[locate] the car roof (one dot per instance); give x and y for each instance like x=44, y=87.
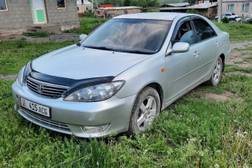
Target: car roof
x=155, y=15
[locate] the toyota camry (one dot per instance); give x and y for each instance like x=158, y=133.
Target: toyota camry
x=121, y=76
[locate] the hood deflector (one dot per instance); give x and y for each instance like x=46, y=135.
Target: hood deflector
x=67, y=81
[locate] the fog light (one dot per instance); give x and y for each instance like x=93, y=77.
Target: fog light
x=95, y=129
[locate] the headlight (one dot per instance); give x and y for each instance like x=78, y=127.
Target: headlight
x=96, y=93
x=20, y=76
x=23, y=73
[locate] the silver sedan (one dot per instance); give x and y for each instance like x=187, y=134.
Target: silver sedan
x=122, y=75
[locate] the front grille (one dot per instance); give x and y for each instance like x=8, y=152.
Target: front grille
x=45, y=89
x=43, y=121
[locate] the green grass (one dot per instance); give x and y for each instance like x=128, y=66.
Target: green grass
x=193, y=132
x=236, y=68
x=87, y=24
x=15, y=54
x=237, y=31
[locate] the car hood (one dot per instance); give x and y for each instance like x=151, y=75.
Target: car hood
x=77, y=62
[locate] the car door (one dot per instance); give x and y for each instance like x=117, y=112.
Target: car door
x=182, y=68
x=207, y=45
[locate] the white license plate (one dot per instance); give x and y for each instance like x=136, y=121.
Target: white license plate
x=35, y=107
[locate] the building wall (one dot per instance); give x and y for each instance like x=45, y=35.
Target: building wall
x=237, y=7
x=212, y=12
x=108, y=13
x=66, y=17
x=19, y=15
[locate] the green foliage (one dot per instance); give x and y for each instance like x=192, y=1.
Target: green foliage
x=225, y=20
x=87, y=24
x=15, y=54
x=127, y=3
x=21, y=43
x=249, y=21
x=237, y=31
x=142, y=3
x=145, y=3
x=191, y=1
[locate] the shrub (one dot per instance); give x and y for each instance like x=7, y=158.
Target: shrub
x=225, y=20
x=21, y=43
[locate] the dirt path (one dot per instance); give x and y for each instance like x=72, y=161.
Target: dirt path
x=8, y=77
x=237, y=54
x=241, y=45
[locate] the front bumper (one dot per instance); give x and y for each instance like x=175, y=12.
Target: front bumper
x=110, y=117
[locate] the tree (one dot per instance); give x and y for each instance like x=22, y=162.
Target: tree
x=145, y=3
x=127, y=2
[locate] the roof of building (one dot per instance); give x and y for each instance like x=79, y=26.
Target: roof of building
x=204, y=5
x=121, y=8
x=154, y=15
x=165, y=2
x=178, y=4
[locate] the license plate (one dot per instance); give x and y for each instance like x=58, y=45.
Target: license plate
x=35, y=107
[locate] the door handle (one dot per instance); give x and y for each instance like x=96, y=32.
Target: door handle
x=196, y=54
x=217, y=43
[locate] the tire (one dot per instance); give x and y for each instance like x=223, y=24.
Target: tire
x=216, y=75
x=146, y=108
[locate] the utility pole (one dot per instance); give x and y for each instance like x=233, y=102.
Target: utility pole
x=219, y=10
x=92, y=6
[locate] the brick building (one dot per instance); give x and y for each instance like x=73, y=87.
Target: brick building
x=239, y=7
x=19, y=15
x=108, y=12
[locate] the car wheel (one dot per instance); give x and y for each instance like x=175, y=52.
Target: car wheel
x=146, y=108
x=217, y=73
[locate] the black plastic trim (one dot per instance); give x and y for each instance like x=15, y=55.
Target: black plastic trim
x=73, y=84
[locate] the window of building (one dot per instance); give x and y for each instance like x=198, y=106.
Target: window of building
x=3, y=5
x=245, y=7
x=230, y=7
x=61, y=3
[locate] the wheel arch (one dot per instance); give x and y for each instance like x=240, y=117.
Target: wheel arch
x=222, y=56
x=158, y=88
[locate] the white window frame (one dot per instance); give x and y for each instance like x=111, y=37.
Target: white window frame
x=1, y=10
x=228, y=7
x=245, y=7
x=62, y=7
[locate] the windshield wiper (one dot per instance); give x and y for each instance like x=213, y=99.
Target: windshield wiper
x=144, y=51
x=100, y=48
x=139, y=52
x=121, y=50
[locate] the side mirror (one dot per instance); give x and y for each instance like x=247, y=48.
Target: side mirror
x=83, y=37
x=180, y=47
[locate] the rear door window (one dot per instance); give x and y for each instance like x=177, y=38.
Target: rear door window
x=203, y=29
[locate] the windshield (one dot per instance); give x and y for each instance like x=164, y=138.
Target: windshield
x=129, y=35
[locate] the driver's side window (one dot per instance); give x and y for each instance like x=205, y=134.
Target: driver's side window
x=186, y=33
